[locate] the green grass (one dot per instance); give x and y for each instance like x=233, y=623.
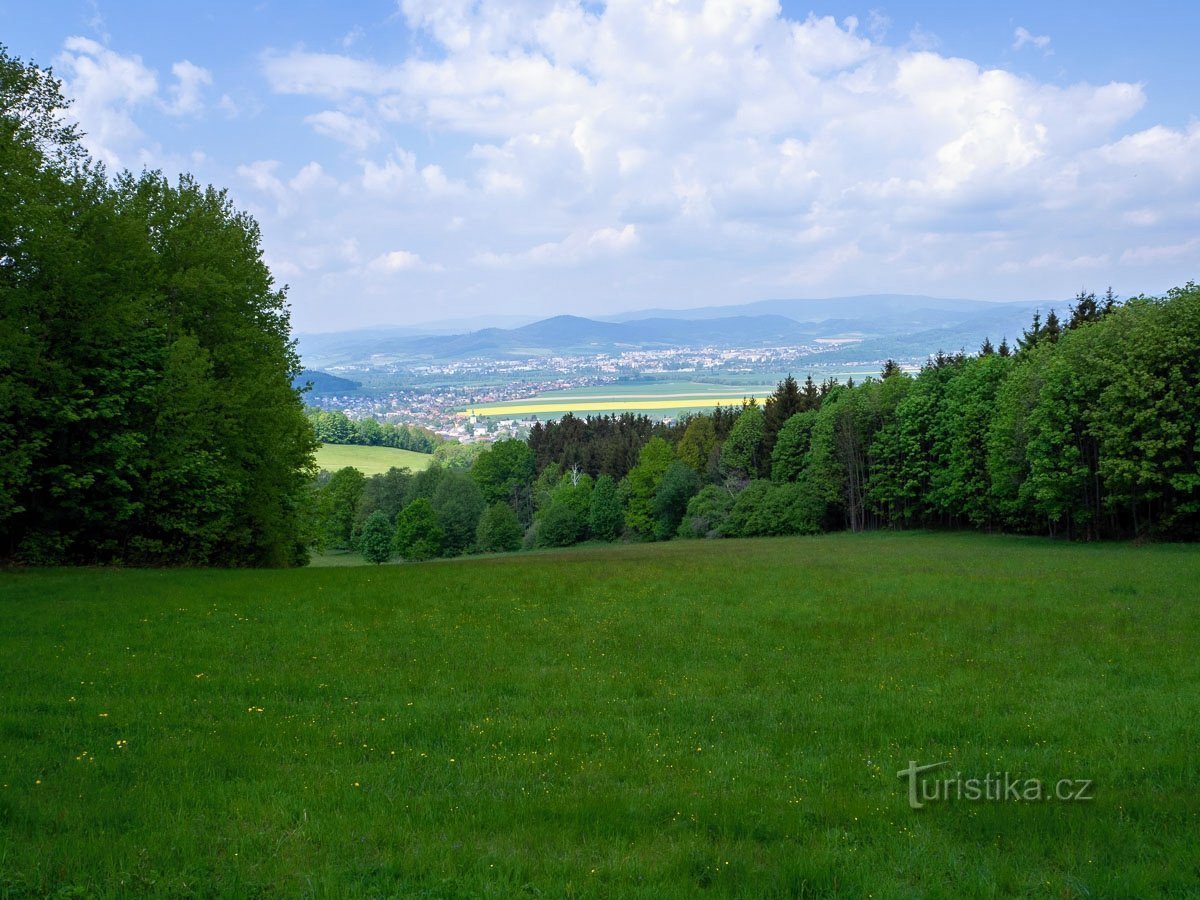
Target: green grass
x=370, y=460
x=719, y=718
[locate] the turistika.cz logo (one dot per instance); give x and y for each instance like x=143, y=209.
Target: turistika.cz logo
x=995, y=787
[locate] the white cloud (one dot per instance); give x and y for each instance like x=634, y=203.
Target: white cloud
x=399, y=261
x=107, y=87
x=187, y=92
x=351, y=130
x=733, y=146
x=1023, y=37
x=581, y=246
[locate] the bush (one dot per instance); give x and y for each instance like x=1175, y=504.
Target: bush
x=706, y=513
x=499, y=530
x=766, y=508
x=559, y=526
x=375, y=542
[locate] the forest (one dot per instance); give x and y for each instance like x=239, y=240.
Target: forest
x=1086, y=429
x=147, y=414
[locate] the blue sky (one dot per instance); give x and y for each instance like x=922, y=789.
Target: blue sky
x=422, y=160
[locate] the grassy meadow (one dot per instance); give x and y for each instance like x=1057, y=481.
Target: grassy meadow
x=724, y=718
x=370, y=460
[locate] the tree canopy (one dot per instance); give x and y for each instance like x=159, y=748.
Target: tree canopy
x=147, y=413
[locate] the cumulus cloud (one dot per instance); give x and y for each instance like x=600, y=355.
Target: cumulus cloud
x=710, y=136
x=111, y=89
x=186, y=95
x=107, y=87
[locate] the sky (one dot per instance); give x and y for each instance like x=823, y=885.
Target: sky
x=420, y=160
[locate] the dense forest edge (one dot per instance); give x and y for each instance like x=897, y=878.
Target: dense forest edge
x=149, y=413
x=1086, y=429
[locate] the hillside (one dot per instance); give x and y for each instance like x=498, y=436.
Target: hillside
x=889, y=325
x=721, y=718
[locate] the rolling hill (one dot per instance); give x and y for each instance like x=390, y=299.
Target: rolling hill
x=885, y=324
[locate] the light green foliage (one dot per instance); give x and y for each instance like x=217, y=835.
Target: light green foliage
x=375, y=541
x=606, y=519
x=419, y=535
x=499, y=530
x=544, y=485
x=697, y=443
x=453, y=455
x=641, y=484
x=792, y=446
x=742, y=452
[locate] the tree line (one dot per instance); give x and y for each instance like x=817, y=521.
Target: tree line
x=335, y=427
x=1085, y=429
x=147, y=413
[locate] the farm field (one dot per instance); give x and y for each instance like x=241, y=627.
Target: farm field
x=662, y=720
x=370, y=460
x=655, y=398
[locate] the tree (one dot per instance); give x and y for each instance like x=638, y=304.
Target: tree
x=558, y=526
x=418, y=534
x=505, y=472
x=499, y=530
x=641, y=484
x=784, y=403
x=679, y=483
x=375, y=542
x=149, y=414
x=706, y=512
x=767, y=508
x=792, y=445
x=385, y=493
x=605, y=517
x=696, y=445
x=458, y=503
x=741, y=453
x=338, y=507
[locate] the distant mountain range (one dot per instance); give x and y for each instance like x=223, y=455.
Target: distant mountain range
x=879, y=326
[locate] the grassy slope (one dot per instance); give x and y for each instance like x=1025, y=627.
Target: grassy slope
x=628, y=721
x=370, y=460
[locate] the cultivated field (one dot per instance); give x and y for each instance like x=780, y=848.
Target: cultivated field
x=370, y=460
x=724, y=718
x=654, y=398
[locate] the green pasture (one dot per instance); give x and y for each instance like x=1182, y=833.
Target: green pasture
x=370, y=460
x=720, y=718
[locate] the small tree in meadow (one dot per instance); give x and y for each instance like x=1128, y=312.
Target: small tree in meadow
x=375, y=542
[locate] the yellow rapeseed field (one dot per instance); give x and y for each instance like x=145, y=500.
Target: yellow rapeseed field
x=586, y=406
